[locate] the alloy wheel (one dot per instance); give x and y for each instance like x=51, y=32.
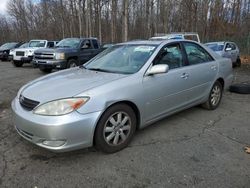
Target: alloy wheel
x=117, y=128
x=215, y=95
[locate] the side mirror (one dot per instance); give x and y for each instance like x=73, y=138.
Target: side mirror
x=158, y=69
x=228, y=49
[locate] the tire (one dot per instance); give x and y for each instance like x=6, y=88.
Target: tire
x=17, y=63
x=46, y=70
x=72, y=63
x=242, y=88
x=214, y=98
x=238, y=62
x=115, y=129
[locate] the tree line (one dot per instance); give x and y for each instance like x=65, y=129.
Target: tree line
x=121, y=20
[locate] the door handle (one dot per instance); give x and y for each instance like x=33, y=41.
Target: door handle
x=185, y=76
x=214, y=67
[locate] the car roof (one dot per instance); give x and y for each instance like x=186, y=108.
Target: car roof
x=154, y=42
x=219, y=42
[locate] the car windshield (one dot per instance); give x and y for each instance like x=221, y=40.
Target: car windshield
x=9, y=45
x=69, y=43
x=124, y=59
x=215, y=46
x=25, y=45
x=37, y=43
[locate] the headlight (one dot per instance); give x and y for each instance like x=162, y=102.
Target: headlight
x=60, y=107
x=60, y=56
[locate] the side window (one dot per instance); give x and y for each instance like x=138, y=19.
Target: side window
x=95, y=44
x=50, y=44
x=196, y=54
x=87, y=43
x=228, y=46
x=170, y=55
x=233, y=46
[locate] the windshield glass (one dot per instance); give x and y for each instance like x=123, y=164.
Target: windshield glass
x=69, y=43
x=125, y=59
x=9, y=45
x=37, y=43
x=25, y=45
x=215, y=46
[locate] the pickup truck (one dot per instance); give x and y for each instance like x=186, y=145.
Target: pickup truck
x=69, y=52
x=25, y=55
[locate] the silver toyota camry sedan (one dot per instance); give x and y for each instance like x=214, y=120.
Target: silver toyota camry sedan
x=125, y=88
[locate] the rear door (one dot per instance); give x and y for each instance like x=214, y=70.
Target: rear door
x=202, y=70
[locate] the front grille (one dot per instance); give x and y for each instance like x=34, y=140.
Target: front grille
x=44, y=56
x=19, y=53
x=27, y=104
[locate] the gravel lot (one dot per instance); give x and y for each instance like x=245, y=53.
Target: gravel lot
x=194, y=148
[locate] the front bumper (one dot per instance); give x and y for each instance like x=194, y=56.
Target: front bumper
x=27, y=59
x=75, y=130
x=53, y=64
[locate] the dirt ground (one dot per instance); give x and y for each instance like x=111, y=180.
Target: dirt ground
x=194, y=148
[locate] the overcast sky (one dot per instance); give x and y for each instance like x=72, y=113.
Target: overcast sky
x=3, y=5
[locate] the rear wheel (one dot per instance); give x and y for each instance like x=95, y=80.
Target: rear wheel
x=214, y=98
x=115, y=128
x=72, y=63
x=17, y=63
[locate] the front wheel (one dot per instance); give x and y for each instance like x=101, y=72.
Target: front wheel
x=72, y=63
x=17, y=63
x=214, y=98
x=115, y=128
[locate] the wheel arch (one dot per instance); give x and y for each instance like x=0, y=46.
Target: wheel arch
x=222, y=82
x=72, y=57
x=127, y=102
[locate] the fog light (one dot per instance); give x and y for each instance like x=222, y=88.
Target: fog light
x=54, y=143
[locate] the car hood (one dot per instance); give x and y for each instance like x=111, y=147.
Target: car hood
x=28, y=49
x=4, y=49
x=219, y=53
x=67, y=83
x=56, y=50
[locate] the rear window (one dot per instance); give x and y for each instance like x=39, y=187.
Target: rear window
x=95, y=44
x=37, y=43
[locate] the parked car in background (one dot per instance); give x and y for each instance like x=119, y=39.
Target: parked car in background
x=124, y=88
x=6, y=48
x=226, y=49
x=69, y=52
x=25, y=55
x=183, y=35
x=13, y=51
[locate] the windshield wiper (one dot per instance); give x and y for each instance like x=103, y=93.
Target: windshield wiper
x=98, y=69
x=82, y=67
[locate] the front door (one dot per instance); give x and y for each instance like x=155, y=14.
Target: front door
x=166, y=92
x=86, y=51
